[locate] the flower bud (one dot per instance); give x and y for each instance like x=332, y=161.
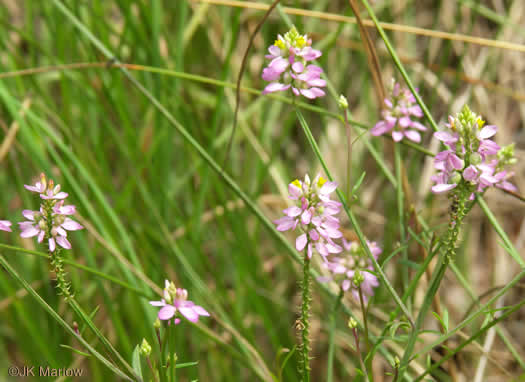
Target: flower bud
x=475, y=158
x=145, y=348
x=43, y=180
x=42, y=224
x=342, y=102
x=397, y=362
x=455, y=177
x=358, y=278
x=156, y=324
x=352, y=324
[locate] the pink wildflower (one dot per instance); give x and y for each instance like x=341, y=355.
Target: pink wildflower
x=289, y=66
x=314, y=215
x=468, y=156
x=51, y=222
x=398, y=116
x=176, y=300
x=344, y=267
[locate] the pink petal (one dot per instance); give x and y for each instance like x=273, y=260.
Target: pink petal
x=380, y=128
x=200, y=311
x=292, y=211
x=404, y=121
x=298, y=67
x=275, y=87
x=445, y=137
x=4, y=225
x=487, y=132
x=306, y=217
x=438, y=188
x=158, y=303
x=52, y=245
x=189, y=313
x=413, y=135
x=284, y=224
x=71, y=225
x=397, y=136
x=167, y=312
x=300, y=242
x=62, y=241
x=30, y=232
x=470, y=173
x=28, y=214
x=328, y=188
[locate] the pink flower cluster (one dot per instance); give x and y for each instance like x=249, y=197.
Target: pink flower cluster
x=314, y=215
x=398, y=116
x=176, y=300
x=289, y=66
x=344, y=267
x=52, y=221
x=470, y=156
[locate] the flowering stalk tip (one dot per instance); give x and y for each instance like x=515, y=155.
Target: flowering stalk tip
x=352, y=269
x=314, y=215
x=51, y=222
x=176, y=300
x=399, y=116
x=289, y=66
x=472, y=162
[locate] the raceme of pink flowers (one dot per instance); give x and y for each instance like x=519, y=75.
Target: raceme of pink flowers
x=471, y=156
x=313, y=215
x=399, y=116
x=289, y=66
x=51, y=222
x=354, y=258
x=176, y=300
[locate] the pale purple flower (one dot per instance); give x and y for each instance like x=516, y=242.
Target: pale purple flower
x=47, y=189
x=344, y=266
x=5, y=225
x=399, y=116
x=289, y=66
x=468, y=158
x=51, y=222
x=313, y=213
x=176, y=300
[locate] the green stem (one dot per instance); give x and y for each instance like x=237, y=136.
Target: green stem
x=457, y=213
x=331, y=342
x=363, y=367
x=349, y=154
x=305, y=323
x=365, y=324
x=401, y=212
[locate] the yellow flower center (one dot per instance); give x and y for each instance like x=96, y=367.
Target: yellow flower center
x=321, y=181
x=279, y=44
x=296, y=183
x=480, y=122
x=300, y=42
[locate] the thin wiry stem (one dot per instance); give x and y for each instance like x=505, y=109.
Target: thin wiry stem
x=239, y=77
x=359, y=356
x=365, y=324
x=305, y=319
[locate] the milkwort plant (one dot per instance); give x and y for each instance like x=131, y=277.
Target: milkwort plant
x=50, y=224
